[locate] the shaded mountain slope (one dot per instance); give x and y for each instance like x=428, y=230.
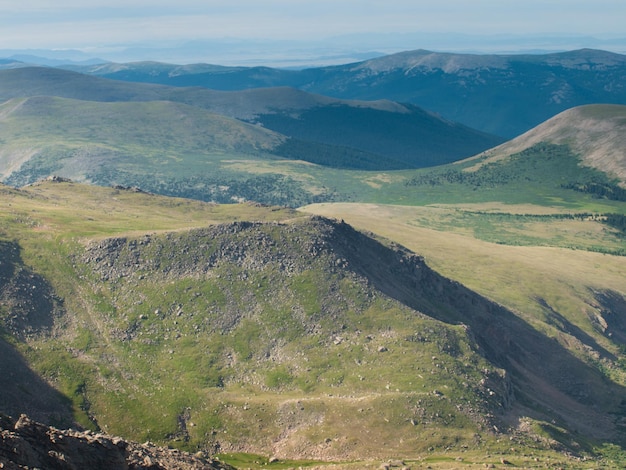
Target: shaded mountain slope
x=28, y=307
x=411, y=139
x=25, y=391
x=504, y=95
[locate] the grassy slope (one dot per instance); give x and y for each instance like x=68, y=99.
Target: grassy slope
x=113, y=380
x=273, y=393
x=556, y=290
x=595, y=132
x=512, y=275
x=78, y=138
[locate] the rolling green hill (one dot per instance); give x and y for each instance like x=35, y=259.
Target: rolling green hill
x=332, y=132
x=574, y=161
x=121, y=143
x=162, y=147
x=595, y=133
x=290, y=336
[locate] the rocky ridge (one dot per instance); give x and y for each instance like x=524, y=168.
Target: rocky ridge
x=211, y=293
x=27, y=444
x=335, y=247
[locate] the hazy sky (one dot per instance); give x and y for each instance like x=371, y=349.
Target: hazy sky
x=94, y=24
x=83, y=23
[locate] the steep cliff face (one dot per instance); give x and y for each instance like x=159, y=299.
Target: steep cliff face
x=26, y=444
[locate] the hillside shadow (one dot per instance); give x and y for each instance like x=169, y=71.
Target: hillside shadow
x=28, y=304
x=557, y=320
x=613, y=310
x=9, y=258
x=23, y=391
x=27, y=307
x=548, y=380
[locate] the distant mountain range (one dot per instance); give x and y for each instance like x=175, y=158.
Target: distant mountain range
x=340, y=49
x=504, y=95
x=329, y=131
x=198, y=142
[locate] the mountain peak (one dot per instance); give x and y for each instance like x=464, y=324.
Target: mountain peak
x=597, y=133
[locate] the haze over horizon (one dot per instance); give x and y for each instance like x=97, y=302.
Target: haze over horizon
x=280, y=32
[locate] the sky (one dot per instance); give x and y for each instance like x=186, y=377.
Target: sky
x=101, y=25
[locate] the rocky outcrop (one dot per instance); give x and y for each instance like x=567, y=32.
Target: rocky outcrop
x=26, y=444
x=560, y=387
x=247, y=302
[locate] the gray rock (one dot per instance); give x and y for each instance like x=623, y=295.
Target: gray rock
x=27, y=444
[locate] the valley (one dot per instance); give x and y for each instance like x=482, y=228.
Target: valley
x=216, y=272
